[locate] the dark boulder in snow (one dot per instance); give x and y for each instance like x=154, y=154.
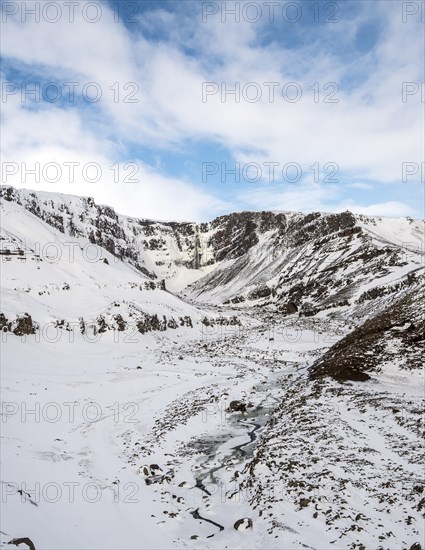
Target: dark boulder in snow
x=291, y=307
x=304, y=502
x=243, y=524
x=237, y=406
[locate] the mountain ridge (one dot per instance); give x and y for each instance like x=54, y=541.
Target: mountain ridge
x=334, y=258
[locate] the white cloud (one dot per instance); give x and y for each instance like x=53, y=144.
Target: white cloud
x=369, y=133
x=360, y=185
x=304, y=198
x=389, y=208
x=132, y=189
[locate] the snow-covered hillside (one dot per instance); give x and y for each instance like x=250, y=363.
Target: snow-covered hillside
x=251, y=382
x=318, y=261
x=160, y=250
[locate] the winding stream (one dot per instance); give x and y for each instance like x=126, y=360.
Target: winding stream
x=254, y=420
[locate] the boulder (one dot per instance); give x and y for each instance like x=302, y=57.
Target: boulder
x=237, y=406
x=291, y=307
x=243, y=524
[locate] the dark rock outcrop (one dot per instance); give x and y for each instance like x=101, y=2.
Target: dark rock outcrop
x=291, y=307
x=23, y=540
x=23, y=325
x=397, y=333
x=237, y=406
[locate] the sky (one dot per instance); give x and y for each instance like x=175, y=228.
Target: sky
x=187, y=110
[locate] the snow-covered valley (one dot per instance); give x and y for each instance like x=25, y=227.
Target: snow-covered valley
x=253, y=382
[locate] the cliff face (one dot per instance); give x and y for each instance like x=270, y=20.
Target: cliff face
x=153, y=248
x=315, y=262
x=310, y=263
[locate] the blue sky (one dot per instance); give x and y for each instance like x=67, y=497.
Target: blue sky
x=337, y=70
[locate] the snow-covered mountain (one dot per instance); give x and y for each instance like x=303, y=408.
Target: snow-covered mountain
x=254, y=381
x=316, y=261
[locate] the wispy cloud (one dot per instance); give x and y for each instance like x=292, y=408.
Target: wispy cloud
x=369, y=133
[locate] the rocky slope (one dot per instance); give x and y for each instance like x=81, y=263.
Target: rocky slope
x=69, y=265
x=343, y=454
x=257, y=380
x=314, y=262
x=291, y=261
x=156, y=249
x=394, y=335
